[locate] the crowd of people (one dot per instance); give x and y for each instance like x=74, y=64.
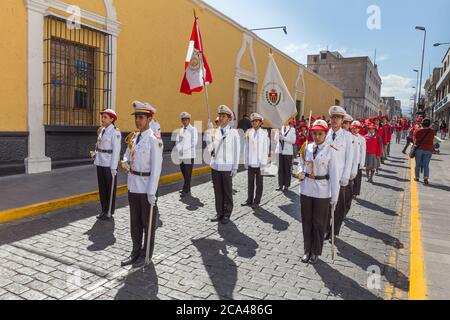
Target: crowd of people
x=330, y=155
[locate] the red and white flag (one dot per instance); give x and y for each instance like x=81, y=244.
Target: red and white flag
x=197, y=72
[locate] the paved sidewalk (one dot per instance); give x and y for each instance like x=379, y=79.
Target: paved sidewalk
x=434, y=203
x=23, y=190
x=70, y=255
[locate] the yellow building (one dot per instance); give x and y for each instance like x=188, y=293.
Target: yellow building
x=59, y=71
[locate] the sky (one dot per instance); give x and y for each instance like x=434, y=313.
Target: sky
x=342, y=25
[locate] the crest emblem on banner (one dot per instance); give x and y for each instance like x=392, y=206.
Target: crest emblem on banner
x=273, y=94
x=194, y=64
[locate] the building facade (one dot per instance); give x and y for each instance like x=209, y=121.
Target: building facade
x=442, y=106
x=60, y=70
x=356, y=76
x=392, y=107
x=430, y=92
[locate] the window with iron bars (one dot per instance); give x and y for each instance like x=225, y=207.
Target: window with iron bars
x=78, y=78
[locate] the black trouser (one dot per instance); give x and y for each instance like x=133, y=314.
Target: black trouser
x=254, y=176
x=315, y=214
x=284, y=171
x=357, y=183
x=408, y=142
x=339, y=213
x=139, y=221
x=348, y=197
x=223, y=191
x=186, y=169
x=105, y=178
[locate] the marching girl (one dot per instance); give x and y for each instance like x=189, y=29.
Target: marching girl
x=360, y=156
x=374, y=151
x=107, y=155
x=319, y=175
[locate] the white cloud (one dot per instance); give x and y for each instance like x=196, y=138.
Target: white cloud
x=300, y=51
x=398, y=86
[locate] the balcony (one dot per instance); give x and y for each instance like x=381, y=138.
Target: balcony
x=442, y=104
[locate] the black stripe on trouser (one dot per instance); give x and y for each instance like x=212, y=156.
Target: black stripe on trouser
x=139, y=219
x=255, y=177
x=284, y=171
x=339, y=213
x=186, y=168
x=104, y=178
x=223, y=191
x=357, y=183
x=314, y=223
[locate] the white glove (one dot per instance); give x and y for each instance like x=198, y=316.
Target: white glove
x=333, y=203
x=93, y=155
x=210, y=125
x=344, y=182
x=246, y=167
x=114, y=172
x=151, y=199
x=125, y=166
x=233, y=173
x=282, y=137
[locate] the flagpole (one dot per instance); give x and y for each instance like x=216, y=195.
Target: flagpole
x=203, y=76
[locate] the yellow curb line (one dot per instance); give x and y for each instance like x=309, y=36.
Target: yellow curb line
x=417, y=290
x=45, y=207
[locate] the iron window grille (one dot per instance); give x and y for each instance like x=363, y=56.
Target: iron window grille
x=77, y=74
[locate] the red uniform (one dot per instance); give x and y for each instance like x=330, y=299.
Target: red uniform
x=373, y=145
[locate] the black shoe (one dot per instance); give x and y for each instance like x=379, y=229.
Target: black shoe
x=247, y=204
x=101, y=215
x=225, y=220
x=313, y=259
x=426, y=182
x=306, y=258
x=216, y=219
x=185, y=194
x=130, y=260
x=280, y=189
x=255, y=206
x=327, y=236
x=286, y=189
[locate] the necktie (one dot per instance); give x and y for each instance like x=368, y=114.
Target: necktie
x=334, y=136
x=139, y=138
x=223, y=132
x=103, y=132
x=316, y=150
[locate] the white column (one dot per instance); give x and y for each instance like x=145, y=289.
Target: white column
x=36, y=161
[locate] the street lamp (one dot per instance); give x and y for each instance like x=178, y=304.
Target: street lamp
x=272, y=28
x=416, y=87
x=440, y=44
x=423, y=57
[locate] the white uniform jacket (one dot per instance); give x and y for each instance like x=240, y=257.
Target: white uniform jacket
x=325, y=164
x=256, y=148
x=287, y=137
x=356, y=144
x=186, y=143
x=361, y=155
x=225, y=147
x=156, y=128
x=145, y=157
x=344, y=145
x=108, y=141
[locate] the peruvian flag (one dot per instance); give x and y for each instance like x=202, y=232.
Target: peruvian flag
x=197, y=73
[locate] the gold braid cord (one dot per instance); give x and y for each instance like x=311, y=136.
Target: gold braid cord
x=303, y=155
x=129, y=140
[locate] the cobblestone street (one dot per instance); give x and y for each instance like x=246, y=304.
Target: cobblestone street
x=70, y=255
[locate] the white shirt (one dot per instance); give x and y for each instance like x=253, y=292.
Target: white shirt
x=226, y=148
x=108, y=139
x=186, y=143
x=325, y=163
x=344, y=145
x=362, y=148
x=256, y=148
x=288, y=136
x=147, y=156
